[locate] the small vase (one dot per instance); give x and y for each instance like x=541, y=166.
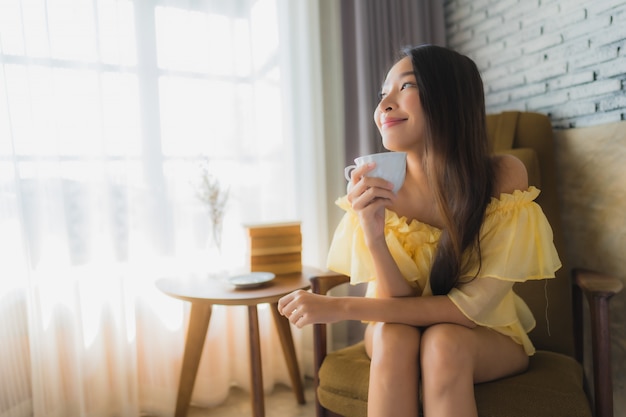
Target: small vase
x=214, y=257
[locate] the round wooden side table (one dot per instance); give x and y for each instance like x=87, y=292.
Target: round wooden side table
x=203, y=292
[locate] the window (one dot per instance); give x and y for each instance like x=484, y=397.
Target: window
x=109, y=106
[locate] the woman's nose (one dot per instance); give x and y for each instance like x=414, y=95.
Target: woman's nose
x=385, y=104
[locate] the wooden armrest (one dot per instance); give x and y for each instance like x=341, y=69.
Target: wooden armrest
x=321, y=284
x=599, y=288
x=597, y=284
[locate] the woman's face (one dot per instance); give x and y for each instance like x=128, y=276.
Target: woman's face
x=399, y=115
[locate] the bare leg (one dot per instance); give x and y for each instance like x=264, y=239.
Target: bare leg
x=394, y=369
x=454, y=358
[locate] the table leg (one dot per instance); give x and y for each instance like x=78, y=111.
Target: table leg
x=256, y=373
x=196, y=333
x=286, y=340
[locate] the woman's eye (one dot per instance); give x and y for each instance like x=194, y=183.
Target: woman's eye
x=382, y=94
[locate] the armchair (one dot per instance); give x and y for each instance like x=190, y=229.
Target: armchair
x=554, y=384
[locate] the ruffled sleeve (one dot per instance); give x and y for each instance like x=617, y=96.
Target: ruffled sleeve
x=348, y=254
x=516, y=240
x=516, y=246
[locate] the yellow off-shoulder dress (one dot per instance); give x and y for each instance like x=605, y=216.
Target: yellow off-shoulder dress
x=516, y=246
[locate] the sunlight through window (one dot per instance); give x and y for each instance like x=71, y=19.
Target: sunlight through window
x=106, y=109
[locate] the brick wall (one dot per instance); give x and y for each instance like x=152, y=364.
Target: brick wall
x=564, y=58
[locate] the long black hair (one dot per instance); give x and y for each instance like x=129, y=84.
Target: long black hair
x=457, y=156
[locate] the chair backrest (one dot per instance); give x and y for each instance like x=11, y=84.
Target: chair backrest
x=529, y=136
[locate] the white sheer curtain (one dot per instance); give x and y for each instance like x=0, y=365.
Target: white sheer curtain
x=106, y=107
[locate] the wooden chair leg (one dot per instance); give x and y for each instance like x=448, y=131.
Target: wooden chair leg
x=599, y=289
x=319, y=351
x=196, y=333
x=286, y=340
x=256, y=372
x=603, y=381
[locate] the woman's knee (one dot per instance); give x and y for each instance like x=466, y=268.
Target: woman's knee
x=391, y=340
x=444, y=345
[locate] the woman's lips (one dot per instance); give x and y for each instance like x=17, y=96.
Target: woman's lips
x=392, y=121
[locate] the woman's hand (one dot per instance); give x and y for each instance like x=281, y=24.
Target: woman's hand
x=370, y=197
x=302, y=308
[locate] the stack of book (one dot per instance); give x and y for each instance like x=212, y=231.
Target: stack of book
x=275, y=247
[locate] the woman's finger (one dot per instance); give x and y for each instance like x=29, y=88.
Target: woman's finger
x=371, y=195
x=360, y=171
x=283, y=304
x=367, y=183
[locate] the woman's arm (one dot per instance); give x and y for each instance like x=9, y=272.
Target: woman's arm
x=389, y=279
x=302, y=308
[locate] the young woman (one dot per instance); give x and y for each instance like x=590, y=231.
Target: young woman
x=441, y=256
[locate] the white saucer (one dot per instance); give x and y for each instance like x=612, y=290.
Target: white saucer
x=251, y=280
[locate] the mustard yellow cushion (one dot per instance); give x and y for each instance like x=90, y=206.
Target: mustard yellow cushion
x=344, y=379
x=554, y=382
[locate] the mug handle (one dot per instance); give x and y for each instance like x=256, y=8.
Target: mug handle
x=348, y=171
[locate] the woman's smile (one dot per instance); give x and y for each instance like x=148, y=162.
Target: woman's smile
x=392, y=121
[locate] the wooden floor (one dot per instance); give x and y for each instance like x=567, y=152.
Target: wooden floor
x=280, y=403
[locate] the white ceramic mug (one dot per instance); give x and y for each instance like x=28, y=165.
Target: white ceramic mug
x=390, y=166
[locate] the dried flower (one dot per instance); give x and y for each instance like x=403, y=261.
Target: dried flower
x=211, y=193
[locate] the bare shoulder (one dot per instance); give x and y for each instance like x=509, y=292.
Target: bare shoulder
x=510, y=174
